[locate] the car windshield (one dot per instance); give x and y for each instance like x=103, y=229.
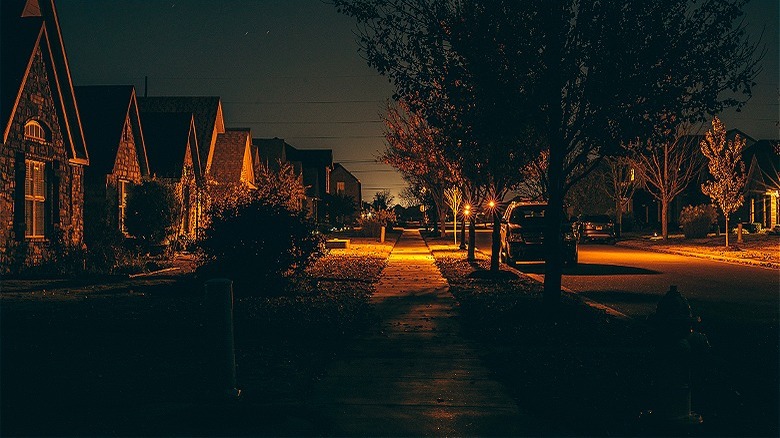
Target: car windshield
x=528, y=215
x=600, y=218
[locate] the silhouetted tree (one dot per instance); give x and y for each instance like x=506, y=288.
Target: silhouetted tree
x=382, y=200
x=581, y=78
x=666, y=165
x=153, y=212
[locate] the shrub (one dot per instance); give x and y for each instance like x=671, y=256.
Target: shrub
x=259, y=246
x=696, y=220
x=371, y=224
x=152, y=212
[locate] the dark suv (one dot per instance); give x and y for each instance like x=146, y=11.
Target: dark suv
x=522, y=234
x=596, y=227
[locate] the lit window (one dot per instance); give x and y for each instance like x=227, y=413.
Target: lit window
x=34, y=131
x=34, y=199
x=339, y=186
x=122, y=205
x=631, y=174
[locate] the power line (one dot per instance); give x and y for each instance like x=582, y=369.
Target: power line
x=297, y=102
x=341, y=137
x=337, y=122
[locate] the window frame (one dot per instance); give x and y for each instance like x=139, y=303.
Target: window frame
x=35, y=131
x=35, y=199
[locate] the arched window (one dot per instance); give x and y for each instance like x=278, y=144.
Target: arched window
x=33, y=130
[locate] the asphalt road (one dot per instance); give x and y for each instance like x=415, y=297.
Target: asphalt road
x=632, y=281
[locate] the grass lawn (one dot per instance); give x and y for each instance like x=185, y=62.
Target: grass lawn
x=128, y=356
x=586, y=370
x=759, y=248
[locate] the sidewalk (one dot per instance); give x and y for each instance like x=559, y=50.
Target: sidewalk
x=413, y=374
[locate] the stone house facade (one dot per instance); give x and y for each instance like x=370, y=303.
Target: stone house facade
x=43, y=152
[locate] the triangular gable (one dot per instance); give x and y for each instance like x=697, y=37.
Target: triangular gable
x=232, y=160
x=18, y=23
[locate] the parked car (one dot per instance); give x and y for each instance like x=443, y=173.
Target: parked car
x=595, y=227
x=522, y=234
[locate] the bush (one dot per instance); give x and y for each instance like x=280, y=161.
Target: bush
x=371, y=225
x=152, y=212
x=696, y=221
x=259, y=246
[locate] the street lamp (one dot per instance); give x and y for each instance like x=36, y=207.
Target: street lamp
x=466, y=212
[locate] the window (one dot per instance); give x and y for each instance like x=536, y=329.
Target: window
x=122, y=189
x=34, y=198
x=339, y=187
x=34, y=131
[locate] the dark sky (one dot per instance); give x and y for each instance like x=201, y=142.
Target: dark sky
x=290, y=69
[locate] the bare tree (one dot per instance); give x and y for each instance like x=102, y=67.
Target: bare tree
x=454, y=198
x=620, y=183
x=414, y=148
x=727, y=170
x=666, y=164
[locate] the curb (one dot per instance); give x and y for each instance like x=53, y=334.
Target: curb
x=732, y=260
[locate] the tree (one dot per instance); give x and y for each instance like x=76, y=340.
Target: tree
x=727, y=170
x=620, y=183
x=416, y=150
x=382, y=200
x=580, y=78
x=152, y=213
x=666, y=165
x=282, y=187
x=340, y=208
x=454, y=199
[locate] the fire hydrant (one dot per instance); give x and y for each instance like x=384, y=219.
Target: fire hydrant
x=677, y=344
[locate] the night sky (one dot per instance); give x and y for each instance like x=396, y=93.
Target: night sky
x=291, y=69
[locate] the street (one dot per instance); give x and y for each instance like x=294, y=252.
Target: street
x=632, y=281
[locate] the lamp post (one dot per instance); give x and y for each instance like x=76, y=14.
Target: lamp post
x=466, y=213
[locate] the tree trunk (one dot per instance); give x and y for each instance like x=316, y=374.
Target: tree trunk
x=665, y=219
x=472, y=240
x=553, y=245
x=496, y=242
x=727, y=229
x=619, y=218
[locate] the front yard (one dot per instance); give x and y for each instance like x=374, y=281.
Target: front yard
x=760, y=248
x=127, y=356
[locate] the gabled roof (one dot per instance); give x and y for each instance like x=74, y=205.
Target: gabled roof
x=310, y=157
x=231, y=160
x=206, y=110
x=26, y=25
x=762, y=160
x=339, y=167
x=104, y=110
x=167, y=136
x=271, y=151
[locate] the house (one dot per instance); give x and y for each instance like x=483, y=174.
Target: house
x=344, y=183
x=232, y=161
x=112, y=128
x=206, y=112
x=315, y=165
x=172, y=149
x=762, y=188
x=44, y=151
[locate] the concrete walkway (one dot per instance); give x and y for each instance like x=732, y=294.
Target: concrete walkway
x=414, y=374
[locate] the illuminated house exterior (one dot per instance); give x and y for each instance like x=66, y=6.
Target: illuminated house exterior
x=172, y=149
x=44, y=151
x=232, y=163
x=762, y=166
x=112, y=127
